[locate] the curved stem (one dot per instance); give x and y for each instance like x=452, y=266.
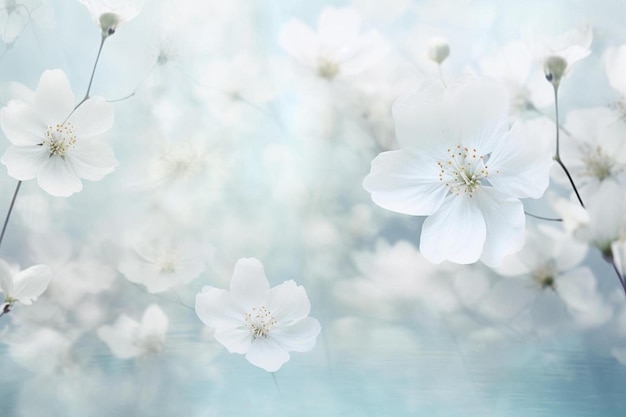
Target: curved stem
x=619, y=274
x=6, y=219
x=550, y=219
x=557, y=156
x=93, y=71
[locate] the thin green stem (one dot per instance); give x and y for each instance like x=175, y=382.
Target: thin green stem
x=557, y=156
x=6, y=219
x=550, y=219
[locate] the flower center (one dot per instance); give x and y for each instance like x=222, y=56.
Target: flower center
x=597, y=163
x=463, y=171
x=327, y=68
x=259, y=321
x=59, y=139
x=544, y=276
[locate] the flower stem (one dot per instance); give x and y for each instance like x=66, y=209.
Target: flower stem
x=557, y=156
x=6, y=219
x=550, y=219
x=93, y=72
x=619, y=275
x=276, y=383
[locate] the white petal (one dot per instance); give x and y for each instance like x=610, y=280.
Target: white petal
x=56, y=178
x=6, y=279
x=288, y=303
x=504, y=220
x=405, y=182
x=154, y=321
x=91, y=160
x=267, y=354
x=216, y=308
x=615, y=65
x=300, y=42
x=23, y=162
x=120, y=337
x=338, y=28
x=31, y=283
x=578, y=289
x=249, y=285
x=520, y=164
x=234, y=339
x=298, y=337
x=93, y=117
x=456, y=232
x=22, y=124
x=54, y=100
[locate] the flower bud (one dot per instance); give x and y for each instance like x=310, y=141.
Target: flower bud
x=554, y=67
x=438, y=50
x=108, y=23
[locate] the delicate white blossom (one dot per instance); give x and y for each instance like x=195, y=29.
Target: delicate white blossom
x=128, y=338
x=109, y=14
x=55, y=142
x=460, y=164
x=261, y=322
x=23, y=286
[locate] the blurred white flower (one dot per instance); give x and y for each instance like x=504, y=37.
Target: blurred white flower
x=338, y=49
x=557, y=54
x=54, y=142
x=252, y=319
x=15, y=16
x=615, y=67
x=460, y=165
x=23, y=286
x=128, y=338
x=109, y=14
x=438, y=50
x=162, y=264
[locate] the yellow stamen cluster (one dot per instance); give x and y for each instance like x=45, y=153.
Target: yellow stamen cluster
x=260, y=321
x=464, y=170
x=59, y=139
x=597, y=163
x=327, y=68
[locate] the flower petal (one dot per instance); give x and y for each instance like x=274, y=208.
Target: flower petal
x=505, y=221
x=249, y=285
x=31, y=283
x=121, y=336
x=154, y=321
x=54, y=100
x=91, y=159
x=520, y=164
x=216, y=308
x=405, y=182
x=288, y=303
x=22, y=124
x=23, y=162
x=6, y=279
x=56, y=177
x=93, y=117
x=234, y=339
x=300, y=42
x=267, y=354
x=298, y=337
x=456, y=232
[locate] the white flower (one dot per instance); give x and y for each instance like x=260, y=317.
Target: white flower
x=14, y=16
x=438, y=50
x=615, y=67
x=23, y=286
x=338, y=48
x=128, y=338
x=55, y=143
x=109, y=14
x=460, y=165
x=161, y=264
x=252, y=319
x=557, y=54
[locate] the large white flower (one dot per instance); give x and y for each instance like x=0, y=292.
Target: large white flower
x=128, y=338
x=54, y=142
x=23, y=286
x=252, y=319
x=460, y=165
x=109, y=14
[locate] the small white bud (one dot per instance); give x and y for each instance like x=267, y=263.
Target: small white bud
x=554, y=67
x=438, y=50
x=108, y=23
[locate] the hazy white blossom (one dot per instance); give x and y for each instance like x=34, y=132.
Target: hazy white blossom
x=23, y=286
x=109, y=14
x=460, y=164
x=261, y=322
x=55, y=142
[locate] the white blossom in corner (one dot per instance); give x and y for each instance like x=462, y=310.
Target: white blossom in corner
x=109, y=14
x=55, y=142
x=460, y=164
x=23, y=286
x=263, y=323
x=128, y=338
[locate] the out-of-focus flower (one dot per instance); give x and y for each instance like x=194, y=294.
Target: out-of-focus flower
x=460, y=165
x=55, y=142
x=14, y=16
x=338, y=49
x=128, y=338
x=23, y=286
x=557, y=54
x=615, y=67
x=261, y=322
x=109, y=14
x=438, y=50
x=161, y=265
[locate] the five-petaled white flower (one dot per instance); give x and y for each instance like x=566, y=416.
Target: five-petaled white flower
x=23, y=286
x=109, y=14
x=55, y=142
x=252, y=319
x=461, y=165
